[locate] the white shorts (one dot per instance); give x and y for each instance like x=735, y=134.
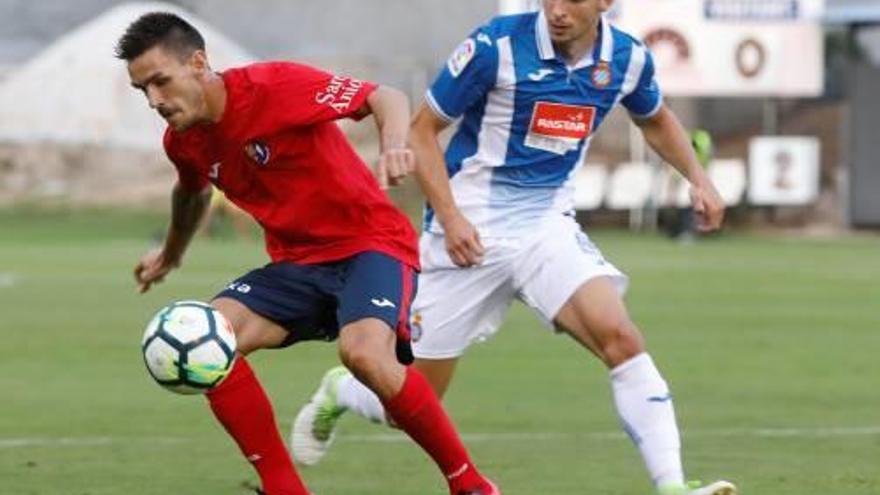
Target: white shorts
x=455, y=307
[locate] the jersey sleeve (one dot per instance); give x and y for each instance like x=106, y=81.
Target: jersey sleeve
x=187, y=174
x=300, y=95
x=645, y=99
x=469, y=73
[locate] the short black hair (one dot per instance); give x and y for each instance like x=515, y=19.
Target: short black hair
x=159, y=29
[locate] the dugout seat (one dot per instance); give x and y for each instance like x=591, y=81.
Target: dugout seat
x=589, y=186
x=629, y=186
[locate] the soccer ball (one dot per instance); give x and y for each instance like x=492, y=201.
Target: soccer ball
x=188, y=347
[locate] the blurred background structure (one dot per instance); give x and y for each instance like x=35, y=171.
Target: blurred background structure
x=786, y=87
x=770, y=335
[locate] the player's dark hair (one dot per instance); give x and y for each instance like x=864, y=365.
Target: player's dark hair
x=163, y=29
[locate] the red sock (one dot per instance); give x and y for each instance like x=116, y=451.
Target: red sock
x=241, y=405
x=416, y=410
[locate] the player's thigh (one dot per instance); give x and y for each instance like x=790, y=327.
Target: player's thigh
x=373, y=306
x=252, y=331
x=596, y=317
x=562, y=260
x=280, y=304
x=454, y=306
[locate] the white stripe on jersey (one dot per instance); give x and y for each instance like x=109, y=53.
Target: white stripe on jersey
x=471, y=186
x=564, y=198
x=633, y=72
x=498, y=113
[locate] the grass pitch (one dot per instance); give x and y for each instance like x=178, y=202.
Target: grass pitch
x=769, y=345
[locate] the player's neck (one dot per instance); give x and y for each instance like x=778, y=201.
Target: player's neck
x=215, y=98
x=573, y=51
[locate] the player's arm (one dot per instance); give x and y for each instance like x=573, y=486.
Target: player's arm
x=390, y=109
x=667, y=137
x=462, y=239
x=188, y=207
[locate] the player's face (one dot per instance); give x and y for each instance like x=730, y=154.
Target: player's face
x=173, y=87
x=572, y=20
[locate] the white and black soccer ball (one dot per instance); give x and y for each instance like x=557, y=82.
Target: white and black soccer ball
x=188, y=347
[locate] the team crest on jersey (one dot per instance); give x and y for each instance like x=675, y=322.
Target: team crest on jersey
x=258, y=152
x=559, y=128
x=415, y=327
x=461, y=57
x=601, y=75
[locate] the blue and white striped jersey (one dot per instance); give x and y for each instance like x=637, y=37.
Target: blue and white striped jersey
x=527, y=117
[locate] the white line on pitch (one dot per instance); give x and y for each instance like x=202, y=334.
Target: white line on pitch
x=816, y=432
x=394, y=437
x=7, y=280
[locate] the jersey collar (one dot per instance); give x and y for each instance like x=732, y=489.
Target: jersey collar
x=604, y=48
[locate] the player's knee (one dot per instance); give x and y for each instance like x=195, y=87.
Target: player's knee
x=359, y=352
x=622, y=342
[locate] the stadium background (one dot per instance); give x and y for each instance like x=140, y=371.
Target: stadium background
x=767, y=332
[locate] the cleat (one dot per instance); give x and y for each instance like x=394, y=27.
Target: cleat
x=314, y=428
x=695, y=488
x=489, y=489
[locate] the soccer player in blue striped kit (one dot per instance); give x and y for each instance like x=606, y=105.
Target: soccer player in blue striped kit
x=530, y=91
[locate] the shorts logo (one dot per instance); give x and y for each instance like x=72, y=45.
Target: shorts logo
x=601, y=75
x=461, y=57
x=415, y=327
x=239, y=287
x=559, y=128
x=382, y=303
x=258, y=152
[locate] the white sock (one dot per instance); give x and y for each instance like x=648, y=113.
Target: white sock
x=644, y=405
x=356, y=397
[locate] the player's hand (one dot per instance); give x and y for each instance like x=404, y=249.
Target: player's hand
x=708, y=207
x=394, y=165
x=463, y=242
x=152, y=268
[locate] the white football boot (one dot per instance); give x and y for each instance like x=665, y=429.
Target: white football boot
x=314, y=428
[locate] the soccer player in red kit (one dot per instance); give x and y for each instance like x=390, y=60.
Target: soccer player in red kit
x=343, y=257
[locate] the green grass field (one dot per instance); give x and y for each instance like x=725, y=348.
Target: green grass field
x=770, y=345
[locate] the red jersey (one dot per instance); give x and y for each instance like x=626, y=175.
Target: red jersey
x=278, y=154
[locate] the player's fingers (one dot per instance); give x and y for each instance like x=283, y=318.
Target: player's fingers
x=409, y=161
x=382, y=174
x=473, y=254
x=478, y=243
x=697, y=201
x=456, y=257
x=396, y=171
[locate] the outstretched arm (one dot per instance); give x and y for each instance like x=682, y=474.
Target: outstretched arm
x=462, y=239
x=187, y=210
x=390, y=109
x=667, y=137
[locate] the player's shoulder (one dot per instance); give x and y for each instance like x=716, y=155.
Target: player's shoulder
x=510, y=25
x=262, y=74
x=623, y=40
x=184, y=146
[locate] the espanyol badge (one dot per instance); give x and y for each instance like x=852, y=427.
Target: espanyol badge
x=258, y=152
x=415, y=327
x=601, y=75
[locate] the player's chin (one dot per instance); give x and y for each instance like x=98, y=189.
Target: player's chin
x=179, y=122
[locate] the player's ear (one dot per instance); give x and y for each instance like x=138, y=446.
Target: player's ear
x=199, y=61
